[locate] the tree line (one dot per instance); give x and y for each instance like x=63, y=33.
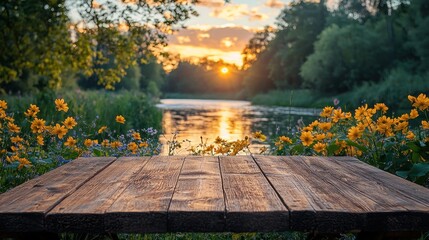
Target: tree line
x=366, y=47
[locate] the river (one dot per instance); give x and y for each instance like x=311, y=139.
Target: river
x=192, y=119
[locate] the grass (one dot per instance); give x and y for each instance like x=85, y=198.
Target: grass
x=228, y=96
x=135, y=106
x=292, y=98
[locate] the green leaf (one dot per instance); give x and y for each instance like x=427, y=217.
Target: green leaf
x=419, y=170
x=332, y=148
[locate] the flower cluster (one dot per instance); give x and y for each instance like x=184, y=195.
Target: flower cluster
x=38, y=140
x=396, y=144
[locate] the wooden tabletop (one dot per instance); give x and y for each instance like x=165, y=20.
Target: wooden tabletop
x=215, y=194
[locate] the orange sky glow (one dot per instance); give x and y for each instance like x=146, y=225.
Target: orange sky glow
x=223, y=29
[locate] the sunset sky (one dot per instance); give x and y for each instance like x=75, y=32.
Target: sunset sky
x=223, y=29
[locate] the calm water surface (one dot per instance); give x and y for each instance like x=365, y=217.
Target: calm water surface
x=231, y=120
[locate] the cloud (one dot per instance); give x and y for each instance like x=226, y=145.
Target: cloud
x=274, y=4
x=183, y=39
x=211, y=3
x=216, y=43
x=232, y=38
x=235, y=11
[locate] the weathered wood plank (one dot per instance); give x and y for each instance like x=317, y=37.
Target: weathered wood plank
x=23, y=208
x=83, y=211
x=251, y=203
x=198, y=201
x=143, y=205
x=407, y=203
x=337, y=206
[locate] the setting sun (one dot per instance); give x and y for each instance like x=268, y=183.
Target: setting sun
x=224, y=70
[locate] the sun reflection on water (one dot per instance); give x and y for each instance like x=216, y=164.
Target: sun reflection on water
x=204, y=120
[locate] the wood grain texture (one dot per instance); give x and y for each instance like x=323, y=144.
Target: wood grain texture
x=198, y=201
x=83, y=211
x=338, y=207
x=407, y=203
x=143, y=205
x=23, y=208
x=251, y=202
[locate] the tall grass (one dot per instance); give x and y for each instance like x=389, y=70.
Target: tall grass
x=138, y=110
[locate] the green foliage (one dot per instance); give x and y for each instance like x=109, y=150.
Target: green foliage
x=397, y=144
x=300, y=24
x=40, y=45
x=90, y=105
x=344, y=58
x=255, y=78
x=34, y=41
x=291, y=98
x=400, y=81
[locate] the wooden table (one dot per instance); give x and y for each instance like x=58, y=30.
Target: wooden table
x=215, y=194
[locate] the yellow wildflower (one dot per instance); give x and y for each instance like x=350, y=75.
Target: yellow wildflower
x=404, y=117
x=23, y=162
x=315, y=123
x=133, y=147
x=425, y=125
x=325, y=126
x=222, y=150
x=3, y=104
x=136, y=136
x=69, y=123
x=88, y=142
x=102, y=129
x=307, y=129
x=116, y=144
x=9, y=119
x=120, y=119
x=383, y=120
x=14, y=148
x=38, y=125
x=400, y=126
x=306, y=138
x=209, y=149
x=414, y=114
x=320, y=137
x=13, y=127
x=260, y=136
x=40, y=140
x=219, y=140
x=421, y=102
x=326, y=112
x=319, y=147
x=61, y=105
x=285, y=139
x=145, y=144
x=12, y=158
x=32, y=111
x=2, y=113
x=381, y=107
x=70, y=142
x=105, y=143
x=337, y=115
x=410, y=135
x=59, y=130
x=16, y=139
x=354, y=133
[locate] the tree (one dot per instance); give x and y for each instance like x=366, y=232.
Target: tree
x=34, y=40
x=38, y=38
x=300, y=24
x=344, y=58
x=257, y=44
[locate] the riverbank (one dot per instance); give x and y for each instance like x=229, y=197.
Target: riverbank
x=211, y=96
